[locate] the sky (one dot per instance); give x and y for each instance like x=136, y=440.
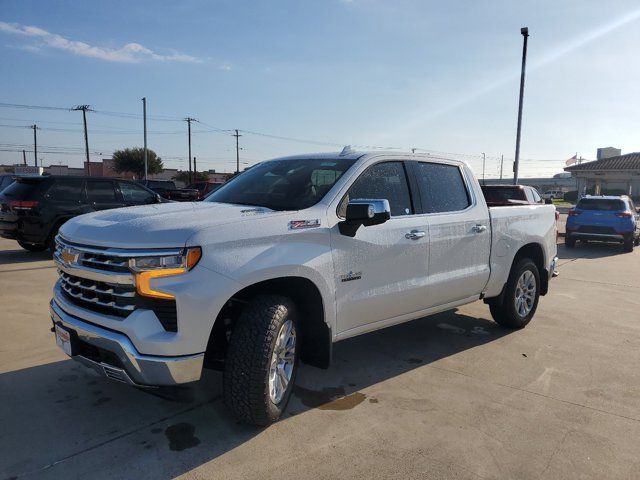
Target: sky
x=299, y=76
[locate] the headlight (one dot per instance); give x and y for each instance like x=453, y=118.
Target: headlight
x=148, y=268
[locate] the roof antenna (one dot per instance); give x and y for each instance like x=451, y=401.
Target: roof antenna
x=347, y=150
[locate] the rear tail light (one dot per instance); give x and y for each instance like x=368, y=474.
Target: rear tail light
x=23, y=204
x=624, y=215
x=573, y=213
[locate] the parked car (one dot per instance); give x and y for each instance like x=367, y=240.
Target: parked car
x=604, y=218
x=168, y=189
x=5, y=181
x=284, y=260
x=204, y=188
x=33, y=208
x=553, y=194
x=501, y=195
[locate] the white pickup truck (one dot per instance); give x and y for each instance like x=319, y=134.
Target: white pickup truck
x=287, y=258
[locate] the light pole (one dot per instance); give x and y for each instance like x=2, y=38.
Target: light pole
x=144, y=121
x=516, y=164
x=484, y=158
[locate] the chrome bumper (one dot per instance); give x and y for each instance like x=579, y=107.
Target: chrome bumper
x=134, y=368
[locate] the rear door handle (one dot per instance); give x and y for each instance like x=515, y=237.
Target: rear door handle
x=479, y=228
x=415, y=235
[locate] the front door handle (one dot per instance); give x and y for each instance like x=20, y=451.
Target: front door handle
x=479, y=228
x=415, y=235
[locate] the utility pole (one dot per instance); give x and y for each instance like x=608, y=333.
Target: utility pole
x=484, y=158
x=195, y=167
x=237, y=135
x=144, y=121
x=84, y=109
x=501, y=165
x=35, y=145
x=524, y=31
x=24, y=157
x=189, y=120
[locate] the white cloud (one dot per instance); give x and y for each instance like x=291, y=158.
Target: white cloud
x=129, y=53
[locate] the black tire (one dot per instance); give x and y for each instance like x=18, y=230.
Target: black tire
x=636, y=242
x=33, y=247
x=628, y=245
x=569, y=242
x=505, y=313
x=251, y=346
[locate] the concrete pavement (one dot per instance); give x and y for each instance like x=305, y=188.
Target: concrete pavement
x=449, y=396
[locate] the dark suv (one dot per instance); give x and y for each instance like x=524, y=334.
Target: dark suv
x=32, y=209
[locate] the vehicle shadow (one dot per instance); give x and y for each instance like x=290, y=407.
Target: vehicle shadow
x=59, y=417
x=589, y=250
x=8, y=257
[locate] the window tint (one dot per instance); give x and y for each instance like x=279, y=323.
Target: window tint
x=101, y=191
x=5, y=181
x=132, y=193
x=382, y=181
x=65, y=190
x=442, y=187
x=600, y=204
x=23, y=188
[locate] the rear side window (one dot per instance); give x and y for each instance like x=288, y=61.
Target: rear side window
x=601, y=204
x=23, y=188
x=442, y=187
x=536, y=197
x=65, y=190
x=385, y=180
x=101, y=191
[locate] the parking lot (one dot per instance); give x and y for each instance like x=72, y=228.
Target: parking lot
x=449, y=396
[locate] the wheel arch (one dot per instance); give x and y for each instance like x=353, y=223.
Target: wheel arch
x=315, y=332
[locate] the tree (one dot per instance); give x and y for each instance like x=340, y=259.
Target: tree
x=183, y=177
x=132, y=160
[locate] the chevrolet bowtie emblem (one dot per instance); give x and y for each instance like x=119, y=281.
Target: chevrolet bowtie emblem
x=69, y=256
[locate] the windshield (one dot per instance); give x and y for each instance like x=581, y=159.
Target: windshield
x=600, y=204
x=283, y=184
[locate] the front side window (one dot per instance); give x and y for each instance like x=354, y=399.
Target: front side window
x=283, y=184
x=386, y=180
x=132, y=193
x=442, y=188
x=65, y=190
x=101, y=192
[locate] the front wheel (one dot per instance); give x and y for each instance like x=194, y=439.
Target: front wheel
x=262, y=360
x=521, y=295
x=33, y=247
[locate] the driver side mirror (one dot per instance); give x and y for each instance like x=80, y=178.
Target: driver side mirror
x=364, y=212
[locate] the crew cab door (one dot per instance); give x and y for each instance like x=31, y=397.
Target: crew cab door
x=459, y=231
x=381, y=272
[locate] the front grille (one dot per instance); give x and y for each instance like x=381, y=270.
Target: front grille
x=102, y=297
x=116, y=294
x=595, y=229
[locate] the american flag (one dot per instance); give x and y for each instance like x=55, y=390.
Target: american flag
x=572, y=160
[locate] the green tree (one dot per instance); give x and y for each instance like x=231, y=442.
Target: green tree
x=132, y=160
x=183, y=176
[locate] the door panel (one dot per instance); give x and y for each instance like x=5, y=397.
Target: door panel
x=381, y=272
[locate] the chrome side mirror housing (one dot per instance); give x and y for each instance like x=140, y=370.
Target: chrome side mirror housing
x=365, y=212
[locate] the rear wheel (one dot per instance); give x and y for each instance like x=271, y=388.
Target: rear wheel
x=262, y=360
x=569, y=242
x=33, y=247
x=629, y=244
x=521, y=294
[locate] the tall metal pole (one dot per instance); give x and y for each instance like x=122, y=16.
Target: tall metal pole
x=524, y=31
x=24, y=157
x=501, y=165
x=35, y=145
x=484, y=158
x=144, y=115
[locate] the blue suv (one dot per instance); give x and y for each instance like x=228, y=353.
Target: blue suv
x=606, y=218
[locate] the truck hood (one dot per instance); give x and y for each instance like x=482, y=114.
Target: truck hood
x=155, y=226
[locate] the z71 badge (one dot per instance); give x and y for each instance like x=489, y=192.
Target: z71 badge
x=351, y=276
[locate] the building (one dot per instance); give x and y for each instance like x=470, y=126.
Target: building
x=619, y=175
x=608, y=152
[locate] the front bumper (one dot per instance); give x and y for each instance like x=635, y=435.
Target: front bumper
x=113, y=355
